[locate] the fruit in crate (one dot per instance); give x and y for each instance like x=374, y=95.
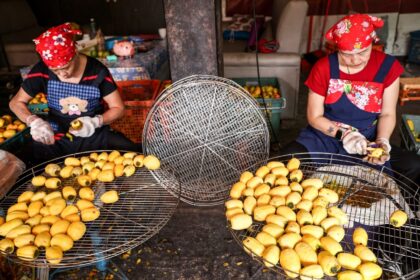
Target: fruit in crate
x=412, y=128
x=9, y=127
x=39, y=98
x=268, y=91
x=410, y=124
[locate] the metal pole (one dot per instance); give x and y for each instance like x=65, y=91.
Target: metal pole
x=42, y=273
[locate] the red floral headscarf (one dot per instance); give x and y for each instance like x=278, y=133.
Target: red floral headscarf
x=354, y=32
x=56, y=46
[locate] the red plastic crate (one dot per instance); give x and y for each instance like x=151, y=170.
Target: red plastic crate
x=138, y=90
x=138, y=97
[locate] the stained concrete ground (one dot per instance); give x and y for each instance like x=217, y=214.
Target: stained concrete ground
x=195, y=243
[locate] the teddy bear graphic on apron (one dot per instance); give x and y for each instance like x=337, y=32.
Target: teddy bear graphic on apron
x=354, y=103
x=69, y=101
x=73, y=106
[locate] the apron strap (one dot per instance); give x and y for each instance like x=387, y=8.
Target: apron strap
x=384, y=69
x=334, y=68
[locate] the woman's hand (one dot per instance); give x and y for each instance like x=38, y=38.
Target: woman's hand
x=41, y=130
x=382, y=143
x=355, y=143
x=88, y=126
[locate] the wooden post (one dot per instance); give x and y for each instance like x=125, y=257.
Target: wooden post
x=193, y=32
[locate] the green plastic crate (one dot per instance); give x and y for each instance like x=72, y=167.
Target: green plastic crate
x=410, y=139
x=16, y=142
x=274, y=106
x=38, y=109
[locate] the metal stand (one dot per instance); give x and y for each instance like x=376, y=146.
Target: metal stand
x=42, y=273
x=368, y=195
x=143, y=208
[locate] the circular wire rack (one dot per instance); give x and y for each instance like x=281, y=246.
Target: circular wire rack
x=143, y=208
x=208, y=130
x=368, y=195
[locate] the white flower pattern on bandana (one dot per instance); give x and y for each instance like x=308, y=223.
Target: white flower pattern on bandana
x=365, y=24
x=46, y=54
x=59, y=40
x=343, y=27
x=46, y=34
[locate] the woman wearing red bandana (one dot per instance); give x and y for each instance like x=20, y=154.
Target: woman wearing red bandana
x=76, y=86
x=352, y=99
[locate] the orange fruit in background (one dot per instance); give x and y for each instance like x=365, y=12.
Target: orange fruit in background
x=7, y=118
x=9, y=133
x=21, y=127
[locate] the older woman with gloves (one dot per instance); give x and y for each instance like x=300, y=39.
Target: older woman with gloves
x=352, y=99
x=75, y=86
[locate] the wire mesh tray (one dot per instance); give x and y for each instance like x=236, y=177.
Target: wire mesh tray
x=207, y=129
x=143, y=208
x=368, y=196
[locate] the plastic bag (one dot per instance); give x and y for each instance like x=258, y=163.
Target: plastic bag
x=10, y=169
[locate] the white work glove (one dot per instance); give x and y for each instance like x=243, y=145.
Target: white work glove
x=355, y=143
x=41, y=130
x=88, y=127
x=384, y=143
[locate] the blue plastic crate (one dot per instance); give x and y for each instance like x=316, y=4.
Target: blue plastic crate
x=410, y=138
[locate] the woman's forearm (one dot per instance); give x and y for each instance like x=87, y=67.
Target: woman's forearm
x=324, y=125
x=386, y=125
x=315, y=115
x=116, y=108
x=20, y=109
x=112, y=115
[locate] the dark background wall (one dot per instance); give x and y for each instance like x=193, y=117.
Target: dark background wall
x=334, y=7
x=318, y=7
x=115, y=17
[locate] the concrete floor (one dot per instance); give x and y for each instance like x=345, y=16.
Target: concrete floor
x=195, y=243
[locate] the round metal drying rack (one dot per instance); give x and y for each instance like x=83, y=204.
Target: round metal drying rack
x=143, y=208
x=207, y=129
x=360, y=185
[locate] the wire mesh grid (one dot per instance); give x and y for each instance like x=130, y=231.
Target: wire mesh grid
x=207, y=78
x=368, y=195
x=207, y=129
x=143, y=208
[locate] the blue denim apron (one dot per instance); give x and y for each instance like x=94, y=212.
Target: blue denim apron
x=345, y=108
x=67, y=102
